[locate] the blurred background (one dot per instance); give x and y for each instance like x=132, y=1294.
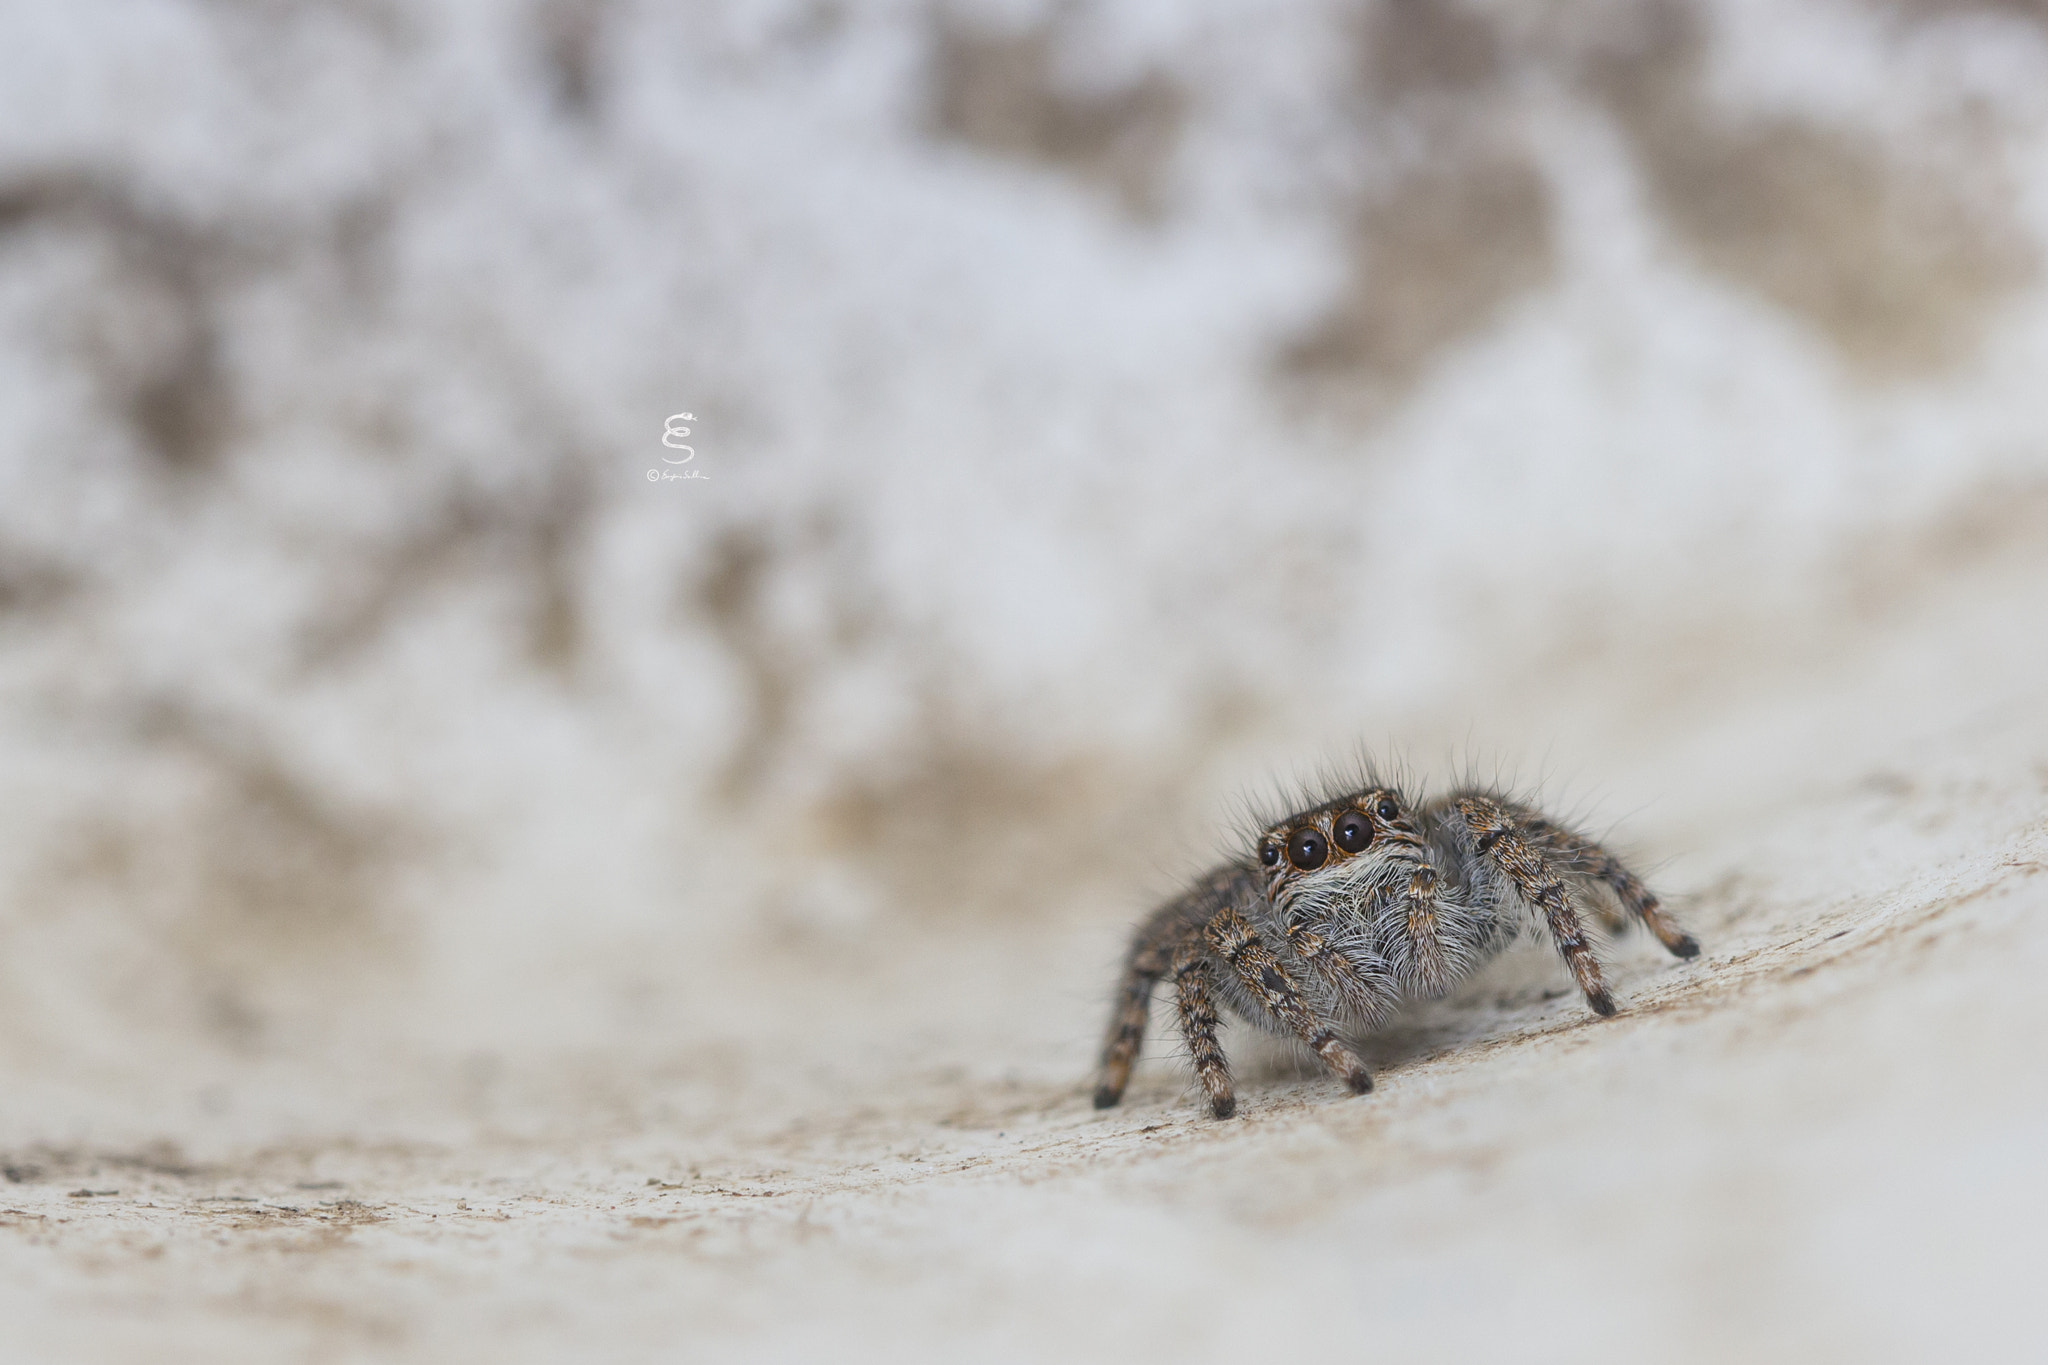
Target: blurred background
x=1099, y=412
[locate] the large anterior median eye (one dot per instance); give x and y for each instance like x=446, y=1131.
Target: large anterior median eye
x=1352, y=831
x=1308, y=850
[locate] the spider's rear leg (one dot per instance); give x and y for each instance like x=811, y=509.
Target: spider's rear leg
x=1146, y=964
x=1238, y=944
x=1589, y=860
x=1198, y=1026
x=1638, y=901
x=1499, y=838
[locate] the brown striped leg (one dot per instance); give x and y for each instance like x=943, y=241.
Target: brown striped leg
x=1146, y=964
x=1198, y=1026
x=1338, y=972
x=1500, y=839
x=1638, y=901
x=1237, y=944
x=1591, y=860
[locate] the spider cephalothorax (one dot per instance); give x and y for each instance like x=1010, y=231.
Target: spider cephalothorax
x=1345, y=909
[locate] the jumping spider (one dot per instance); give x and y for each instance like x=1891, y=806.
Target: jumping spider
x=1340, y=912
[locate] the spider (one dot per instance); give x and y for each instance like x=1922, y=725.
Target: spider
x=1340, y=912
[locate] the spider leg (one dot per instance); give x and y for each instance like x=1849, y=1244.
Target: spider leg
x=1589, y=860
x=1338, y=972
x=1198, y=1026
x=1234, y=940
x=1151, y=955
x=1148, y=961
x=1638, y=900
x=1512, y=850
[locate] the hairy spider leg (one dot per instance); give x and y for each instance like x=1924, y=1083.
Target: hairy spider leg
x=1587, y=859
x=1151, y=955
x=1237, y=944
x=1368, y=1000
x=1148, y=961
x=1198, y=1027
x=1499, y=838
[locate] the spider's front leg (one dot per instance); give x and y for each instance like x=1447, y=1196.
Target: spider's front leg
x=1368, y=997
x=1498, y=837
x=1236, y=943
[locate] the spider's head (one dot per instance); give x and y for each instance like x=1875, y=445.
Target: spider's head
x=1340, y=852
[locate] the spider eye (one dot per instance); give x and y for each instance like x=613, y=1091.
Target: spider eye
x=1386, y=809
x=1269, y=853
x=1308, y=850
x=1352, y=831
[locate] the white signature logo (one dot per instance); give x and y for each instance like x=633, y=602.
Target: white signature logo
x=672, y=433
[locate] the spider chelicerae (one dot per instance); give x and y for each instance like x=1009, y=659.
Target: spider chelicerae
x=1340, y=912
